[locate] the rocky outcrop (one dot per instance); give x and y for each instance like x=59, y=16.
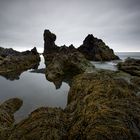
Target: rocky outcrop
x=13, y=61
x=67, y=62
x=8, y=52
x=62, y=61
x=42, y=124
x=96, y=50
x=131, y=66
x=101, y=105
x=92, y=48
x=7, y=110
x=49, y=42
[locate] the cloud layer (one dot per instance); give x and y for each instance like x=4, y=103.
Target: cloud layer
x=22, y=22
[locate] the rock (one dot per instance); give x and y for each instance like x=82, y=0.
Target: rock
x=34, y=51
x=49, y=42
x=103, y=106
x=95, y=49
x=67, y=62
x=8, y=52
x=43, y=124
x=62, y=61
x=131, y=66
x=18, y=63
x=7, y=110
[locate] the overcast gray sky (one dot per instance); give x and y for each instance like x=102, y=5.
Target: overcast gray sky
x=117, y=22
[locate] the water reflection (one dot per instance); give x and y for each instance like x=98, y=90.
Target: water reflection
x=15, y=75
x=34, y=89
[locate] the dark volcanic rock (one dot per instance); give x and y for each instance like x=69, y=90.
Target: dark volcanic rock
x=16, y=62
x=95, y=49
x=62, y=61
x=131, y=66
x=67, y=62
x=8, y=52
x=49, y=42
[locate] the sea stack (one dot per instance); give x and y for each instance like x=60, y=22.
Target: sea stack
x=95, y=49
x=49, y=42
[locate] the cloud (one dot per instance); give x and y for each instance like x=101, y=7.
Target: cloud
x=117, y=22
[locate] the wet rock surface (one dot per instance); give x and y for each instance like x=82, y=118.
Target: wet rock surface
x=95, y=49
x=101, y=105
x=7, y=110
x=131, y=66
x=67, y=62
x=13, y=63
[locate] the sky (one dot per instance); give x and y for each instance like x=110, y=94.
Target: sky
x=116, y=22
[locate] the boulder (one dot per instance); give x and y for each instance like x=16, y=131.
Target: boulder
x=95, y=49
x=131, y=66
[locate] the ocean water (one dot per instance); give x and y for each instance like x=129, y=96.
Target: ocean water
x=36, y=91
x=112, y=65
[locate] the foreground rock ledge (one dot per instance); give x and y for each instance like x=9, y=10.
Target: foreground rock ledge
x=101, y=106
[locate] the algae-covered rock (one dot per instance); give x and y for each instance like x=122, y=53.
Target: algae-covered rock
x=95, y=49
x=131, y=66
x=103, y=107
x=43, y=124
x=7, y=110
x=18, y=62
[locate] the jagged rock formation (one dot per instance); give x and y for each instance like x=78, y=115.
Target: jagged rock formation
x=49, y=42
x=8, y=52
x=12, y=61
x=131, y=66
x=62, y=61
x=95, y=49
x=92, y=48
x=67, y=62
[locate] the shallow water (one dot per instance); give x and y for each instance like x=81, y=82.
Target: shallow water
x=36, y=91
x=112, y=65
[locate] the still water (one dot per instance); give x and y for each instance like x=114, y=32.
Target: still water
x=36, y=91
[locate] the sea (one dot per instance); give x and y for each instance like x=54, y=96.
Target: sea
x=36, y=91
